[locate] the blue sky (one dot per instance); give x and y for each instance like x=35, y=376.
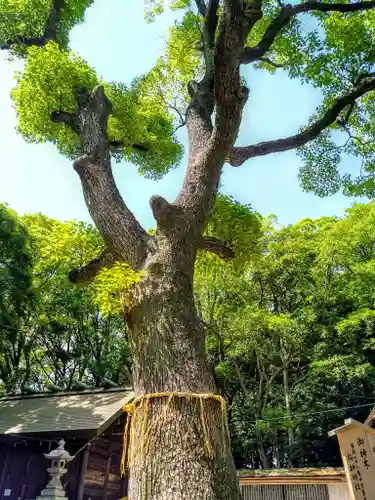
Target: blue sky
x=120, y=45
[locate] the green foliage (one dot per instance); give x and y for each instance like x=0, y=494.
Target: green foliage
x=320, y=169
x=290, y=321
x=15, y=281
x=329, y=51
x=290, y=332
x=16, y=296
x=338, y=51
x=167, y=81
x=51, y=330
x=60, y=245
x=342, y=367
x=50, y=82
x=237, y=225
x=114, y=288
x=28, y=18
x=298, y=304
x=154, y=8
x=182, y=58
x=287, y=48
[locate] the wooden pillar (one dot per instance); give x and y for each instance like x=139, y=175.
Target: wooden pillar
x=82, y=472
x=21, y=494
x=106, y=477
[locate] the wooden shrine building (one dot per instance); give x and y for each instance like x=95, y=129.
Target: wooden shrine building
x=92, y=424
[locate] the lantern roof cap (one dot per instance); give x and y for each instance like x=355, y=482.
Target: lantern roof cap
x=59, y=453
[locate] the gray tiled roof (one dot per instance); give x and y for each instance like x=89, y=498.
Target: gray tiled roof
x=65, y=411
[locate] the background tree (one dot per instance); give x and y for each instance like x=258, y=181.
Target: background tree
x=59, y=98
x=52, y=331
x=16, y=298
x=289, y=339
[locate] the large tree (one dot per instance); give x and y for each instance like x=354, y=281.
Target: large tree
x=16, y=298
x=71, y=341
x=290, y=332
x=51, y=331
x=180, y=446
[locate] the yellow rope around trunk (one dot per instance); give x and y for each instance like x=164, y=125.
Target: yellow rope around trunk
x=141, y=404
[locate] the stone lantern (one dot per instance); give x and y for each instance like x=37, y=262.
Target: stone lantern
x=59, y=459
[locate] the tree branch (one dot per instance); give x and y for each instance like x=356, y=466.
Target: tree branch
x=197, y=195
x=214, y=245
x=271, y=63
x=89, y=272
x=201, y=106
x=50, y=30
x=161, y=209
x=69, y=119
x=138, y=147
x=287, y=12
x=240, y=154
x=230, y=95
x=53, y=20
x=201, y=6
x=116, y=223
x=209, y=30
x=222, y=86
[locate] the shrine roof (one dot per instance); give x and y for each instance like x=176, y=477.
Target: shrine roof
x=93, y=410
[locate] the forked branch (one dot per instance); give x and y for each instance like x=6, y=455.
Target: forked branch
x=117, y=224
x=221, y=87
x=287, y=12
x=240, y=154
x=72, y=121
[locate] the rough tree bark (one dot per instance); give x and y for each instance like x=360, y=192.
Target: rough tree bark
x=167, y=337
x=183, y=451
x=180, y=447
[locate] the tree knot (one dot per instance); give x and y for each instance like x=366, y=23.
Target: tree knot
x=252, y=10
x=160, y=208
x=243, y=93
x=82, y=163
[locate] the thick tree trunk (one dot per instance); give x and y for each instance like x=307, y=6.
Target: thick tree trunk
x=180, y=447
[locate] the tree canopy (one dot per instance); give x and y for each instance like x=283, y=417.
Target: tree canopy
x=52, y=332
x=313, y=42
x=290, y=335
